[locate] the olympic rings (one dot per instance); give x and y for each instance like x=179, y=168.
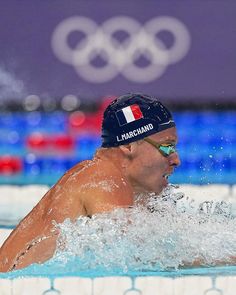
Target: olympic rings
x=120, y=56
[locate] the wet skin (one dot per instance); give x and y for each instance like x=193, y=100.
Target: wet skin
x=110, y=180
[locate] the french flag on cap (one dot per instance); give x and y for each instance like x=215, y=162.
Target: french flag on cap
x=129, y=114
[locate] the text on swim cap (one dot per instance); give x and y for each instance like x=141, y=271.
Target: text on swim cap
x=135, y=132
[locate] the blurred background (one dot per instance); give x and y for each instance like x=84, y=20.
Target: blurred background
x=62, y=62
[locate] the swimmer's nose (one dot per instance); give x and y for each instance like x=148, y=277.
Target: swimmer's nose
x=174, y=159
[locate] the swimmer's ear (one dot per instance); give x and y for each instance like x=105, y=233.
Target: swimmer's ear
x=128, y=149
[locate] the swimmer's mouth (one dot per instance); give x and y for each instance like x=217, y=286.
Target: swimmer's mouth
x=166, y=175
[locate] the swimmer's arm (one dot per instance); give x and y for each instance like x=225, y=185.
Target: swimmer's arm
x=35, y=236
x=34, y=239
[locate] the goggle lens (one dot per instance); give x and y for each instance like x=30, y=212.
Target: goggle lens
x=167, y=149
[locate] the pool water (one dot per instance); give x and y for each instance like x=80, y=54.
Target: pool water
x=29, y=140
x=162, y=238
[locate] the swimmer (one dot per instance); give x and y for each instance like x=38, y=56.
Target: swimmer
x=137, y=156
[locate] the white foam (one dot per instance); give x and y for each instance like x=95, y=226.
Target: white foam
x=164, y=236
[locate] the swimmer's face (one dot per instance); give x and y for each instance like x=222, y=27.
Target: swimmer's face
x=149, y=169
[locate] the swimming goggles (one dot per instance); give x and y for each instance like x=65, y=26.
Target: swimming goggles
x=165, y=149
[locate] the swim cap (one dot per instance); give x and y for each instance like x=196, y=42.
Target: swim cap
x=132, y=117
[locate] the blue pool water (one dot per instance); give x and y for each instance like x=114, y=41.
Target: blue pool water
x=211, y=133
x=56, y=271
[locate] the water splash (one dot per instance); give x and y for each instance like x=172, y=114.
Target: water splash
x=158, y=236
x=10, y=86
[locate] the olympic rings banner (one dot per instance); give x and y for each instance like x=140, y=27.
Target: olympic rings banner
x=177, y=50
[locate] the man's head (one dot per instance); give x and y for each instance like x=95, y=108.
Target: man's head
x=144, y=131
x=132, y=117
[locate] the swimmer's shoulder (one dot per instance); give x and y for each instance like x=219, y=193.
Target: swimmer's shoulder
x=104, y=188
x=71, y=184
x=102, y=173
x=64, y=193
x=87, y=171
x=92, y=186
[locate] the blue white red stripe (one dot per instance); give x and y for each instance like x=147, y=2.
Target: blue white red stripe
x=129, y=114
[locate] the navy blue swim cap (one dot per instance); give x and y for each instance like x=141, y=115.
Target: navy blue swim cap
x=132, y=117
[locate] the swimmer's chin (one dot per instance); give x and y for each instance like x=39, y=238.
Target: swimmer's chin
x=152, y=188
x=159, y=190
x=156, y=191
